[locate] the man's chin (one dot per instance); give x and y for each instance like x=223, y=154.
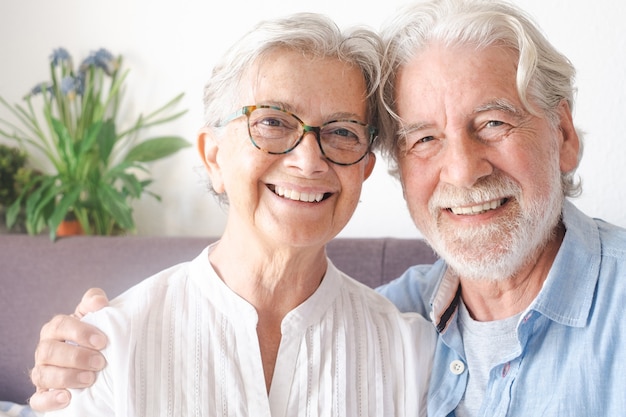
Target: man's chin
x=492, y=255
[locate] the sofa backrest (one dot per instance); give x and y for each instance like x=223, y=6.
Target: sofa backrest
x=40, y=278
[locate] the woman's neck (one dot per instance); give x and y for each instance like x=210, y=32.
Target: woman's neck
x=280, y=277
x=274, y=280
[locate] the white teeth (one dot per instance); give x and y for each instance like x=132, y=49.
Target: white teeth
x=297, y=196
x=477, y=209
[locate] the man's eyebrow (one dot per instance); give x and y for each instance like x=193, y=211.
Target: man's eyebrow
x=500, y=105
x=408, y=128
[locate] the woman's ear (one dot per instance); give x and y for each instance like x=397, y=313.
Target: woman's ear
x=369, y=165
x=208, y=148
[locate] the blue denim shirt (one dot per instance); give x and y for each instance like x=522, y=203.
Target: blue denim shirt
x=571, y=359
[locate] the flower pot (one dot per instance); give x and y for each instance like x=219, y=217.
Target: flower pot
x=69, y=228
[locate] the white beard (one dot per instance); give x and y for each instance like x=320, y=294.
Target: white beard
x=496, y=251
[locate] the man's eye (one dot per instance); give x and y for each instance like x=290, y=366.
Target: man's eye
x=494, y=123
x=416, y=141
x=426, y=139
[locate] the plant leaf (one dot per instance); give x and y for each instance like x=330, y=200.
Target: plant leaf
x=131, y=185
x=61, y=210
x=106, y=140
x=40, y=204
x=156, y=148
x=115, y=204
x=13, y=211
x=65, y=145
x=86, y=143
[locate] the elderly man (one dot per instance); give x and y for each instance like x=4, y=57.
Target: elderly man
x=529, y=295
x=528, y=303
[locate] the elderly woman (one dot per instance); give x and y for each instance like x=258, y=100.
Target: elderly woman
x=261, y=323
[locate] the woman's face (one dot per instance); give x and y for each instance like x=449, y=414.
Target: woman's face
x=269, y=194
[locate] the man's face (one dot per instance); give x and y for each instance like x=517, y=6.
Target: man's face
x=481, y=175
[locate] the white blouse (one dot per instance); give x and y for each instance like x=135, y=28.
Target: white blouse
x=181, y=343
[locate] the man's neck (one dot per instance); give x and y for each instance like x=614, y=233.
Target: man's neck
x=489, y=300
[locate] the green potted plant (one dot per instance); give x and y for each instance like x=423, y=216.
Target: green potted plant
x=13, y=176
x=95, y=168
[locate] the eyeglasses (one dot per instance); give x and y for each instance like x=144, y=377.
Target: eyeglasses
x=277, y=131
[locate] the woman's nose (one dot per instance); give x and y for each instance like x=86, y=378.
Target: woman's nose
x=308, y=156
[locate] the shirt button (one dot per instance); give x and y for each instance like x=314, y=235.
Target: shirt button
x=457, y=367
x=505, y=369
x=432, y=316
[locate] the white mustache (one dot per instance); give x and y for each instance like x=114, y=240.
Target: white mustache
x=494, y=188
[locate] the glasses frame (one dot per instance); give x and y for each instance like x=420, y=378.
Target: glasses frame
x=247, y=110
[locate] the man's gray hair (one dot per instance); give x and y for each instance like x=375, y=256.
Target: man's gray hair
x=545, y=77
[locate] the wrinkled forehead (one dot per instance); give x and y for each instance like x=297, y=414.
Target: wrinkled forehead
x=263, y=65
x=288, y=75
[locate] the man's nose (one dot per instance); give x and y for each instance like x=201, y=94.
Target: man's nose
x=465, y=160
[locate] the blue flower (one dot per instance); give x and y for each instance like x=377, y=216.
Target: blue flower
x=103, y=56
x=38, y=89
x=59, y=55
x=80, y=83
x=100, y=59
x=70, y=86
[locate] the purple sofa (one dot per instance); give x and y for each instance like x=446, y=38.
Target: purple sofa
x=40, y=278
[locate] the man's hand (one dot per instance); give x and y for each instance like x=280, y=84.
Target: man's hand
x=67, y=355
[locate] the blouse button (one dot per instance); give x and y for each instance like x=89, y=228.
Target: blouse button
x=457, y=367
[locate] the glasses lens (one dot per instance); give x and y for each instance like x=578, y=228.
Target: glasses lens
x=345, y=141
x=273, y=130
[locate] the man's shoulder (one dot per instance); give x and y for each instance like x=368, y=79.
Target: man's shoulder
x=613, y=238
x=413, y=290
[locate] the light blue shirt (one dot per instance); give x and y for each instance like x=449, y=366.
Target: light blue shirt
x=571, y=359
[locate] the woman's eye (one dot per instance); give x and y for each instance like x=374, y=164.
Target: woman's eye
x=346, y=133
x=271, y=122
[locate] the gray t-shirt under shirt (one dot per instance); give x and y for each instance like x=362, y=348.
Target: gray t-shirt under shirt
x=486, y=344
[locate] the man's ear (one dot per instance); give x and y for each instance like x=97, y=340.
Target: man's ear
x=569, y=146
x=208, y=148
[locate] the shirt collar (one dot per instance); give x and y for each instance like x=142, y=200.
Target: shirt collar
x=445, y=299
x=567, y=293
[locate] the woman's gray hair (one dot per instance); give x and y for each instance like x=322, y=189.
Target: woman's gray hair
x=545, y=77
x=313, y=35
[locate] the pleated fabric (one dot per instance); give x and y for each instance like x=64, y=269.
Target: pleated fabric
x=181, y=343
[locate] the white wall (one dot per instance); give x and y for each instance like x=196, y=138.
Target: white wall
x=170, y=46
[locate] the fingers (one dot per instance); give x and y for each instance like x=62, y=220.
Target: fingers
x=64, y=327
x=67, y=355
x=61, y=364
x=54, y=354
x=49, y=400
x=93, y=300
x=46, y=377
